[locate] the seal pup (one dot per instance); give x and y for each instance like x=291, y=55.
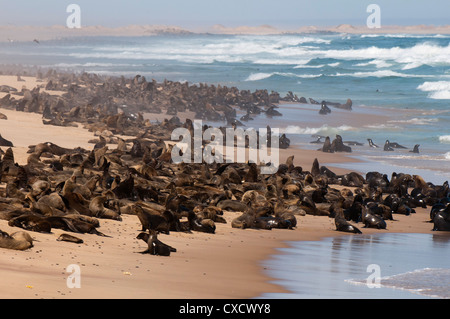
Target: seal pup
x=371, y=144
x=155, y=246
x=70, y=239
x=415, y=149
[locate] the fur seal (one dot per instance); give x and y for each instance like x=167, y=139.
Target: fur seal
x=245, y=220
x=31, y=222
x=315, y=169
x=338, y=145
x=347, y=106
x=441, y=219
x=201, y=225
x=372, y=220
x=324, y=109
x=396, y=145
x=98, y=209
x=154, y=220
x=327, y=148
x=371, y=143
x=343, y=225
x=415, y=149
x=5, y=142
x=155, y=246
x=232, y=205
x=387, y=146
x=319, y=139
x=17, y=241
x=70, y=239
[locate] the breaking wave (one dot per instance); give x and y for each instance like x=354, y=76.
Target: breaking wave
x=439, y=90
x=323, y=130
x=432, y=282
x=262, y=76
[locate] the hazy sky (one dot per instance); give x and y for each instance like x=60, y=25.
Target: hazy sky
x=204, y=13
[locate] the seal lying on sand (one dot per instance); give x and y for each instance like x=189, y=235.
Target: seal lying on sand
x=18, y=241
x=70, y=239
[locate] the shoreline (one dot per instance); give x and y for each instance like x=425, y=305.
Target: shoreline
x=213, y=265
x=10, y=33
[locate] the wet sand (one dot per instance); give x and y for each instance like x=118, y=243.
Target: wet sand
x=226, y=264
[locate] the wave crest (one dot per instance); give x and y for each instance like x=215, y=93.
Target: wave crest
x=323, y=130
x=440, y=90
x=262, y=76
x=444, y=139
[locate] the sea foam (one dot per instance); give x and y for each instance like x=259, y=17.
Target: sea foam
x=439, y=90
x=323, y=130
x=262, y=75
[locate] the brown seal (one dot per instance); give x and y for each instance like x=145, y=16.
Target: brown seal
x=31, y=222
x=152, y=219
x=5, y=142
x=155, y=246
x=98, y=209
x=18, y=241
x=343, y=225
x=70, y=238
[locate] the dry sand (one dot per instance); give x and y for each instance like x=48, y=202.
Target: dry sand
x=208, y=266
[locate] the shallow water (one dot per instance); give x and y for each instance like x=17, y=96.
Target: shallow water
x=387, y=266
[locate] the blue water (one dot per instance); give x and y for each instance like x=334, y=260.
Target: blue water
x=404, y=77
x=409, y=266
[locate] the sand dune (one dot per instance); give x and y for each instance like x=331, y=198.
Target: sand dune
x=41, y=33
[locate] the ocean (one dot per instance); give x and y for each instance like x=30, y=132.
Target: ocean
x=380, y=266
x=403, y=80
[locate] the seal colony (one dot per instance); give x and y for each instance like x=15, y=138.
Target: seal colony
x=73, y=189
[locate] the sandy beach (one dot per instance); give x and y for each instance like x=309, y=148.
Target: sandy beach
x=207, y=266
